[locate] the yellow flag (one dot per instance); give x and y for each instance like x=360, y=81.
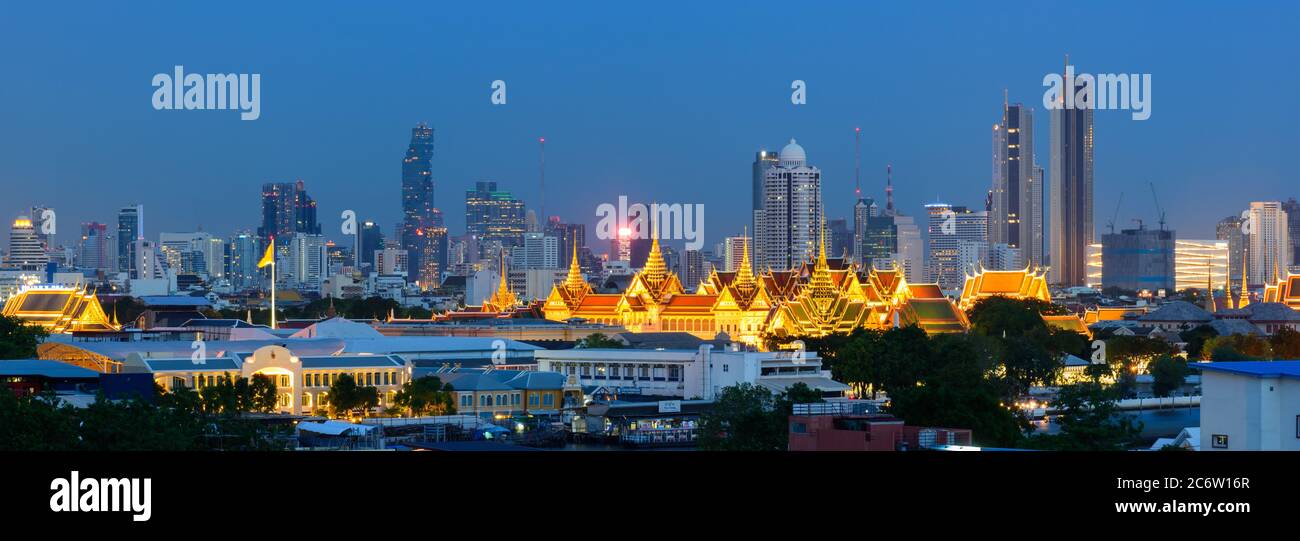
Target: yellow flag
x=269, y=257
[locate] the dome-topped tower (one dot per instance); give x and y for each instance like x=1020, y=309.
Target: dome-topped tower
x=793, y=154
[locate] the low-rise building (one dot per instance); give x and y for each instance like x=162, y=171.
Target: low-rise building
x=689, y=373
x=1250, y=406
x=302, y=383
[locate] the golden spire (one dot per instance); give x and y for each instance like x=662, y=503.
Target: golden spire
x=1244, y=300
x=655, y=269
x=574, y=281
x=504, y=299
x=744, y=275
x=1227, y=287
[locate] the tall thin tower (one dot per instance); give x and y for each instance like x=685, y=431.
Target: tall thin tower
x=857, y=163
x=889, y=190
x=541, y=197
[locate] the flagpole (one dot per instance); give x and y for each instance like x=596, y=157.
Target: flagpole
x=273, y=293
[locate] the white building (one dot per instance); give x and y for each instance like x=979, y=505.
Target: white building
x=687, y=373
x=911, y=253
x=539, y=251
x=25, y=249
x=1250, y=406
x=787, y=228
x=307, y=262
x=391, y=261
x=948, y=227
x=1270, y=244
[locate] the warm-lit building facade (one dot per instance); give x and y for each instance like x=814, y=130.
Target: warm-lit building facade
x=60, y=309
x=816, y=298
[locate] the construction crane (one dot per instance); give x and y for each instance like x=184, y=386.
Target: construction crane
x=1115, y=216
x=1158, y=209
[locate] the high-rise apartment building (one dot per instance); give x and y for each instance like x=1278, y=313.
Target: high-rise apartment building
x=1269, y=238
x=788, y=227
x=130, y=228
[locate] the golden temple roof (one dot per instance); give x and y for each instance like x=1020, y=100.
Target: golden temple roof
x=60, y=310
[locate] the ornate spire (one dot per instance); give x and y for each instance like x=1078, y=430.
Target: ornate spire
x=503, y=299
x=574, y=281
x=1244, y=300
x=656, y=271
x=745, y=275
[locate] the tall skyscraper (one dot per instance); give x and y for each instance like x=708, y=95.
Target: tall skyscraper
x=839, y=237
x=92, y=252
x=495, y=216
x=1017, y=199
x=130, y=228
x=1292, y=210
x=287, y=209
x=693, y=269
x=417, y=198
x=909, y=255
x=1229, y=229
x=789, y=225
x=372, y=238
x=1072, y=228
x=1270, y=242
x=307, y=262
x=763, y=160
x=241, y=266
x=25, y=249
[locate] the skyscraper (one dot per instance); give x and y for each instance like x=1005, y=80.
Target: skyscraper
x=1270, y=242
x=763, y=160
x=287, y=209
x=494, y=216
x=130, y=227
x=417, y=198
x=1017, y=199
x=1292, y=209
x=25, y=249
x=372, y=238
x=1071, y=195
x=241, y=266
x=92, y=252
x=956, y=235
x=1229, y=229
x=789, y=225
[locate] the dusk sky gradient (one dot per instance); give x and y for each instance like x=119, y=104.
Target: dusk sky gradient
x=665, y=102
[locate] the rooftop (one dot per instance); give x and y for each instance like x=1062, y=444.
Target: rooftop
x=1259, y=369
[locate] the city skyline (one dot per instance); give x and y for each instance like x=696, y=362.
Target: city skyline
x=601, y=148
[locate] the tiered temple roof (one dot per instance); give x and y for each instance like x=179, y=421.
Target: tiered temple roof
x=1021, y=284
x=60, y=310
x=1285, y=291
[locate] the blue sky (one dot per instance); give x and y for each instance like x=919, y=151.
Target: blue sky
x=665, y=102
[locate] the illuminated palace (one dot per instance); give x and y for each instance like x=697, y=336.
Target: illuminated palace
x=60, y=309
x=1285, y=291
x=820, y=297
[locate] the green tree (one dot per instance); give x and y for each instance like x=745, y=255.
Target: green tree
x=958, y=390
x=1196, y=338
x=427, y=395
x=19, y=340
x=743, y=418
x=1237, y=347
x=599, y=341
x=1126, y=356
x=1168, y=374
x=346, y=396
x=1089, y=421
x=1285, y=344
